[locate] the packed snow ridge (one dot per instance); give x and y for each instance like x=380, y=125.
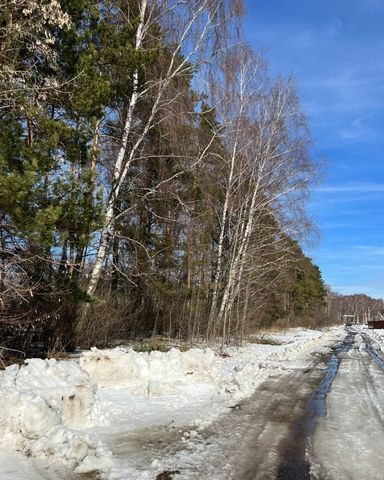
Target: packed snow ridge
x=44, y=406
x=66, y=411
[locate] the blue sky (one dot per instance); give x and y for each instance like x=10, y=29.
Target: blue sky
x=335, y=50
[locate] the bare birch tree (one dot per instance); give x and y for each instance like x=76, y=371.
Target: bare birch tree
x=268, y=164
x=190, y=30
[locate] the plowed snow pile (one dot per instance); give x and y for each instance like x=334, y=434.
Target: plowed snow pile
x=54, y=409
x=43, y=404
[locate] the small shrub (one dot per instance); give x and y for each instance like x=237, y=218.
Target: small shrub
x=262, y=340
x=152, y=344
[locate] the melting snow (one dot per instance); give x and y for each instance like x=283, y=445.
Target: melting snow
x=89, y=415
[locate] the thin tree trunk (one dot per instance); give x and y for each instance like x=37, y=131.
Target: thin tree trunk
x=95, y=143
x=218, y=273
x=120, y=170
x=30, y=131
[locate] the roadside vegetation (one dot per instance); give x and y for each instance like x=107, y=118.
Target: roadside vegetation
x=153, y=178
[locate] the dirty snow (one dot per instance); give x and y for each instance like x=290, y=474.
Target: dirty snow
x=348, y=441
x=93, y=415
x=44, y=404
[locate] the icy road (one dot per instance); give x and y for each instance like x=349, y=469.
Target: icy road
x=309, y=405
x=323, y=422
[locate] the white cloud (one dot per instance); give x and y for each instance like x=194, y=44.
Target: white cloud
x=355, y=187
x=370, y=250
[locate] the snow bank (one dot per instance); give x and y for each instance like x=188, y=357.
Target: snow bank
x=154, y=373
x=377, y=336
x=163, y=373
x=66, y=388
x=43, y=402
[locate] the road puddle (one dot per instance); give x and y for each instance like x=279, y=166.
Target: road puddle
x=294, y=461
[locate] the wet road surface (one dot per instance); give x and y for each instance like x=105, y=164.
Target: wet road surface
x=274, y=434
x=347, y=443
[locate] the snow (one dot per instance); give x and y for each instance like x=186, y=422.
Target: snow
x=348, y=441
x=109, y=411
x=44, y=403
x=155, y=373
x=377, y=336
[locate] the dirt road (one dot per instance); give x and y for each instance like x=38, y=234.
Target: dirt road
x=323, y=422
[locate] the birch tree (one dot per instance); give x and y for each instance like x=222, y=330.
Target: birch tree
x=268, y=165
x=191, y=32
x=148, y=158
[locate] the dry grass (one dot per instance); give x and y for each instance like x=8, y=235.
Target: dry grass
x=263, y=340
x=160, y=344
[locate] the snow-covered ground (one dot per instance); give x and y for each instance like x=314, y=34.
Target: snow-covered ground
x=117, y=413
x=348, y=442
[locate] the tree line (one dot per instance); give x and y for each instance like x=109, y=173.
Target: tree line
x=361, y=306
x=153, y=176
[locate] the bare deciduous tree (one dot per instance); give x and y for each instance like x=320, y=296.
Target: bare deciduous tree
x=191, y=33
x=268, y=165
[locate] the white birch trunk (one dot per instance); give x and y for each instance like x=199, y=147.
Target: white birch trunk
x=120, y=170
x=122, y=166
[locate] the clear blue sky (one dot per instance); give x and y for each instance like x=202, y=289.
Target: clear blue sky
x=335, y=49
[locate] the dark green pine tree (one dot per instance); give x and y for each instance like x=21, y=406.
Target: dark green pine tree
x=50, y=134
